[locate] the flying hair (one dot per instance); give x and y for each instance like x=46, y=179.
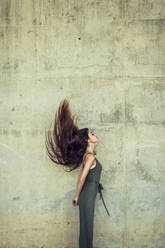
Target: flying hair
x=66, y=143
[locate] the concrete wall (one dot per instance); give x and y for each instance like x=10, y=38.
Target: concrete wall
x=108, y=57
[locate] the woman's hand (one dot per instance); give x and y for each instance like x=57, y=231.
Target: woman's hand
x=74, y=202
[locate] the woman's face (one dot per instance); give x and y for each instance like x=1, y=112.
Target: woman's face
x=92, y=136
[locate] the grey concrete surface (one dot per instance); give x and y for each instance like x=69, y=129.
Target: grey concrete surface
x=108, y=58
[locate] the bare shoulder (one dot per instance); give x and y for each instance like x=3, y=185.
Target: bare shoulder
x=88, y=155
x=89, y=158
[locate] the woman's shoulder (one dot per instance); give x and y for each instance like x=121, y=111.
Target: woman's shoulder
x=87, y=155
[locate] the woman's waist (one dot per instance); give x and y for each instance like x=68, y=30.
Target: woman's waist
x=93, y=181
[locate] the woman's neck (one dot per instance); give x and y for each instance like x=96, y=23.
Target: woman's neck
x=90, y=148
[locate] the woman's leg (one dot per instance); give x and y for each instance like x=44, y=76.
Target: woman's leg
x=86, y=218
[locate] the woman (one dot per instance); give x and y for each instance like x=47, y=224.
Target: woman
x=70, y=146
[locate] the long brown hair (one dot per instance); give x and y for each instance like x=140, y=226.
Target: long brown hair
x=66, y=144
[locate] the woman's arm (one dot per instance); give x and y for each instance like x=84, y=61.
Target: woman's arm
x=79, y=186
x=81, y=179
